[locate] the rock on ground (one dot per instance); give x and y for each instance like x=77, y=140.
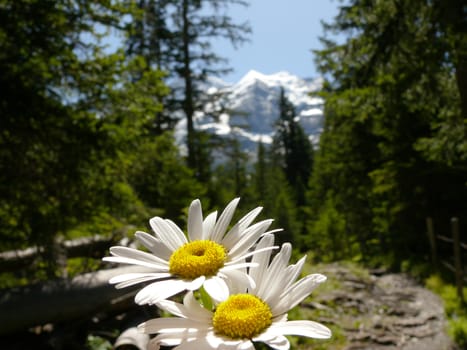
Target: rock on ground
x=381, y=311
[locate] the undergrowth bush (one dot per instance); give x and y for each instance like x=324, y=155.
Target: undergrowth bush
x=456, y=311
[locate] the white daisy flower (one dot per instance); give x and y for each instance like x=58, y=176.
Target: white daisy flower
x=256, y=314
x=209, y=257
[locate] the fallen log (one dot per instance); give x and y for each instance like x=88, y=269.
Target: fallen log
x=63, y=300
x=95, y=246
x=17, y=259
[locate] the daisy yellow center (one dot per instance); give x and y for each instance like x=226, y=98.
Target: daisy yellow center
x=197, y=258
x=242, y=316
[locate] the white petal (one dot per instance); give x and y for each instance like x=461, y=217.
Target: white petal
x=278, y=342
x=160, y=290
x=293, y=271
x=174, y=308
x=194, y=306
x=249, y=238
x=208, y=225
x=172, y=339
x=165, y=340
x=195, y=221
x=132, y=256
x=154, y=345
x=281, y=260
x=249, y=217
x=238, y=230
x=196, y=283
x=190, y=309
x=130, y=279
x=121, y=260
x=251, y=253
x=173, y=239
x=261, y=258
x=238, y=266
x=176, y=230
x=292, y=296
x=224, y=221
x=280, y=318
x=132, y=253
x=199, y=343
x=276, y=274
x=222, y=343
x=289, y=276
x=171, y=325
x=238, y=281
x=154, y=244
x=304, y=328
x=130, y=276
x=245, y=345
x=216, y=288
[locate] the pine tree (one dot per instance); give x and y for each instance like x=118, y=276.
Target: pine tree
x=270, y=189
x=261, y=173
x=54, y=165
x=391, y=151
x=180, y=33
x=294, y=148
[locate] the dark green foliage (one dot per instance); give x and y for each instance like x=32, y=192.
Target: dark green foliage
x=270, y=189
x=176, y=36
x=283, y=209
x=161, y=179
x=50, y=153
x=86, y=143
x=69, y=120
x=231, y=176
x=393, y=148
x=293, y=148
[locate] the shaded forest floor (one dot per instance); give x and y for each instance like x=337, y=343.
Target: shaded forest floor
x=375, y=310
x=366, y=310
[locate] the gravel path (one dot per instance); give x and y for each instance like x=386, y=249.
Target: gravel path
x=381, y=311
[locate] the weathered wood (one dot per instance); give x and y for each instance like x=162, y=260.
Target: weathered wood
x=457, y=258
x=95, y=246
x=17, y=259
x=457, y=246
x=63, y=300
x=88, y=246
x=445, y=239
x=432, y=240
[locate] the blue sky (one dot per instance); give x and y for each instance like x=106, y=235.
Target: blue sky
x=284, y=33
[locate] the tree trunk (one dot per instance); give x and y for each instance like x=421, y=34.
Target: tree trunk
x=64, y=300
x=95, y=247
x=188, y=98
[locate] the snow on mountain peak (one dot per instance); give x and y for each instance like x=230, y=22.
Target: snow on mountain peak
x=254, y=102
x=282, y=78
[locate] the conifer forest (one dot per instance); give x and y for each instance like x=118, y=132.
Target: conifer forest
x=89, y=153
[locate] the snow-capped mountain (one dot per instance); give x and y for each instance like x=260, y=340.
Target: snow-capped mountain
x=253, y=105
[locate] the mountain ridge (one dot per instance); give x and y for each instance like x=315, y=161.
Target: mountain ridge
x=252, y=106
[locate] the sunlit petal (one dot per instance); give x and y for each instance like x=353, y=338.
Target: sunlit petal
x=278, y=342
x=304, y=328
x=195, y=221
x=208, y=225
x=249, y=237
x=154, y=244
x=217, y=288
x=160, y=290
x=173, y=239
x=224, y=220
x=130, y=279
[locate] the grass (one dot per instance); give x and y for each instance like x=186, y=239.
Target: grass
x=456, y=311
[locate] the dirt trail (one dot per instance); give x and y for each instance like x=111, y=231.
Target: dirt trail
x=381, y=311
